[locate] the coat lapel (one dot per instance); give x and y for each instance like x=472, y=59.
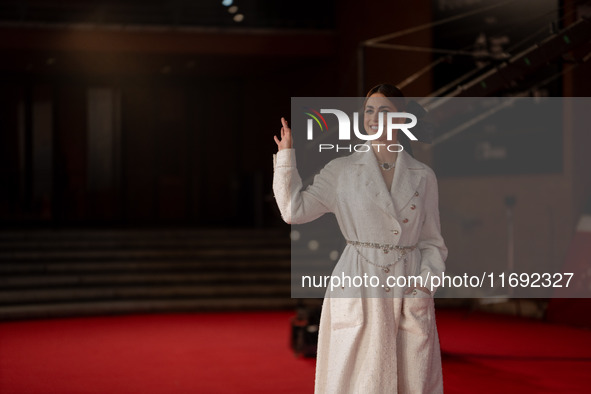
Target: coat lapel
x=407, y=177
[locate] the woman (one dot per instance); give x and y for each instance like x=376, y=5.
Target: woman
x=380, y=339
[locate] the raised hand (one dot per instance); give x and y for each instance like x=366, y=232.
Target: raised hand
x=285, y=142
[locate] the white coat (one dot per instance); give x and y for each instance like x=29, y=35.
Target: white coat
x=373, y=340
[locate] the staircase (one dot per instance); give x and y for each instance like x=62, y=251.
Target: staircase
x=50, y=273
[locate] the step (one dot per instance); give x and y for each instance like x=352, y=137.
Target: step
x=127, y=292
x=19, y=282
x=139, y=234
x=144, y=265
x=138, y=254
x=157, y=243
x=52, y=310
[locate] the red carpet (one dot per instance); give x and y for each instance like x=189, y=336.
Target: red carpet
x=503, y=336
x=188, y=353
x=487, y=353
x=249, y=353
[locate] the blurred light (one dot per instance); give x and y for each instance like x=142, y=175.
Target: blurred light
x=238, y=18
x=51, y=61
x=313, y=245
x=190, y=64
x=166, y=69
x=227, y=3
x=294, y=235
x=334, y=255
x=233, y=9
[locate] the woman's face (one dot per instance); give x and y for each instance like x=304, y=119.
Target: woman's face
x=376, y=106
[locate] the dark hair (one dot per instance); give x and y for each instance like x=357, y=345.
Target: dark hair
x=397, y=98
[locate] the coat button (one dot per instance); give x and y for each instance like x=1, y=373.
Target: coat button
x=395, y=232
x=386, y=289
x=413, y=206
x=414, y=292
x=416, y=194
x=405, y=221
x=386, y=269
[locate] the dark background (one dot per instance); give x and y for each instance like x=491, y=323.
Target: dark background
x=160, y=115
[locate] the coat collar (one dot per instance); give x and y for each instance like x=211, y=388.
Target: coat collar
x=407, y=177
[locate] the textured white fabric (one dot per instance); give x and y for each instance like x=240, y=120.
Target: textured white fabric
x=373, y=340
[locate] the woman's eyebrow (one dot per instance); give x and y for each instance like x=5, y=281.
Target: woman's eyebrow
x=385, y=106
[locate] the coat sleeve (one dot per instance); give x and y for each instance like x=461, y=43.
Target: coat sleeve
x=431, y=244
x=296, y=205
